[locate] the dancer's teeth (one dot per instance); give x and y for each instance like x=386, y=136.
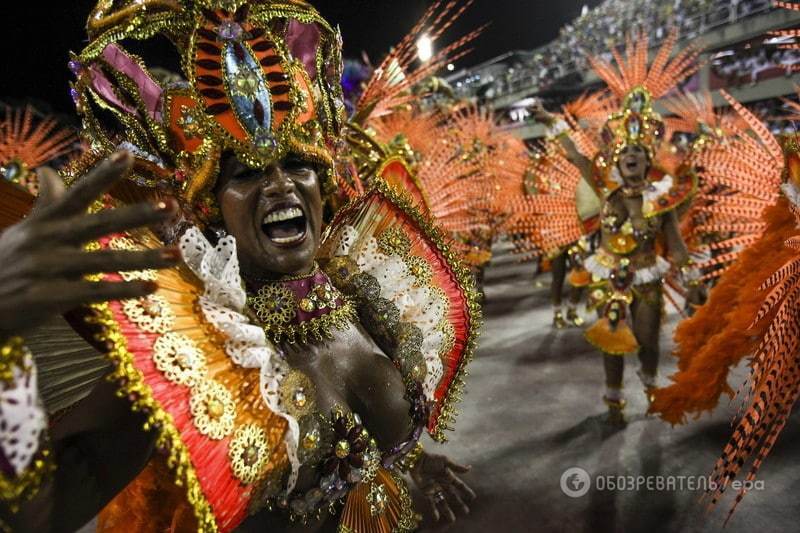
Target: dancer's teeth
x=283, y=215
x=289, y=240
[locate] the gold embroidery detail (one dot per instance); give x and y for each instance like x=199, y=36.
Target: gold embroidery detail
x=448, y=339
x=249, y=453
x=420, y=269
x=298, y=394
x=179, y=359
x=377, y=498
x=394, y=241
x=151, y=314
x=274, y=305
x=213, y=409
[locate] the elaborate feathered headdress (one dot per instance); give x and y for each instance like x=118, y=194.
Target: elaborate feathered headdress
x=259, y=79
x=637, y=84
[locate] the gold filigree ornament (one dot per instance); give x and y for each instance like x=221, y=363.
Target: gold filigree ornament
x=213, y=409
x=249, y=453
x=298, y=394
x=377, y=498
x=274, y=305
x=448, y=338
x=394, y=241
x=322, y=296
x=151, y=314
x=421, y=270
x=179, y=359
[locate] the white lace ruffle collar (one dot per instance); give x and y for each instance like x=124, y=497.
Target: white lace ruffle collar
x=222, y=304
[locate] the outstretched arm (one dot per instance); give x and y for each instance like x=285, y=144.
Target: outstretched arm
x=551, y=121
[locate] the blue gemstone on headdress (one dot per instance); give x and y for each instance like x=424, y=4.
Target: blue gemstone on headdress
x=248, y=89
x=634, y=127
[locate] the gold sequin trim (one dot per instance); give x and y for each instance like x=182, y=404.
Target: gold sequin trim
x=420, y=269
x=394, y=241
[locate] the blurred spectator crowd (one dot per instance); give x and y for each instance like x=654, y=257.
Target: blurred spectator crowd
x=601, y=29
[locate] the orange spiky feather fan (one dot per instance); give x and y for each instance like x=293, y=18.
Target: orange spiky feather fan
x=773, y=386
x=390, y=86
x=548, y=220
x=27, y=143
x=791, y=33
x=741, y=211
x=659, y=78
x=695, y=113
x=586, y=116
x=464, y=168
x=30, y=142
x=716, y=337
x=743, y=174
x=34, y=142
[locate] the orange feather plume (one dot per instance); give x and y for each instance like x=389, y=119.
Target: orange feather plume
x=662, y=75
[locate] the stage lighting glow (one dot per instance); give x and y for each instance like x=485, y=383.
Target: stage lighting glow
x=425, y=48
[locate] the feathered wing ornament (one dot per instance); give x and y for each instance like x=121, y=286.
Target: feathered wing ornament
x=27, y=143
x=791, y=33
x=659, y=78
x=456, y=165
x=562, y=210
x=392, y=82
x=452, y=160
x=742, y=174
x=743, y=221
x=422, y=287
x=773, y=386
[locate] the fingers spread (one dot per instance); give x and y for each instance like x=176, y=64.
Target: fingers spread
x=455, y=467
x=62, y=296
x=463, y=487
x=71, y=262
x=456, y=497
x=84, y=228
x=448, y=513
x=433, y=507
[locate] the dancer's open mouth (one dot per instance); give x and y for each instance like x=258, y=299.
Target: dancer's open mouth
x=285, y=225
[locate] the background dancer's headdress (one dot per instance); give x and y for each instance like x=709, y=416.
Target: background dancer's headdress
x=259, y=79
x=637, y=84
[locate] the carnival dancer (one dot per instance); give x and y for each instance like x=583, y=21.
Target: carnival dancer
x=257, y=368
x=624, y=164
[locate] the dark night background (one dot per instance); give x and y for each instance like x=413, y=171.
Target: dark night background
x=39, y=38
